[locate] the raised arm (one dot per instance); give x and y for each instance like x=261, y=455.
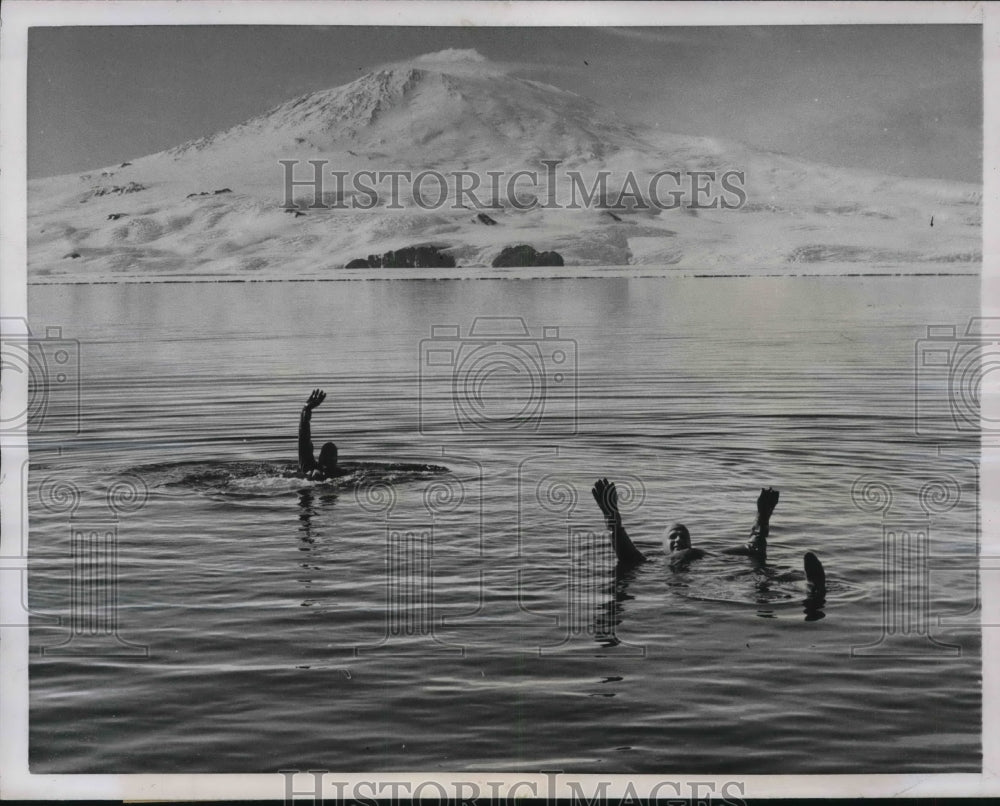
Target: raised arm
x=756, y=545
x=606, y=497
x=766, y=502
x=307, y=460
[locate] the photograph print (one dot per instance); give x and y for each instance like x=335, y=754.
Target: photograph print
x=502, y=400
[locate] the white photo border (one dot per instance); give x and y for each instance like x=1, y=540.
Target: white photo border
x=19, y=15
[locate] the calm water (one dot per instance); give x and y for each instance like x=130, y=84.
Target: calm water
x=449, y=604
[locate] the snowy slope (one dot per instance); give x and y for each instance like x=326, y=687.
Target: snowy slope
x=159, y=216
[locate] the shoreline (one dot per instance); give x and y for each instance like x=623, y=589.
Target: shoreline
x=437, y=275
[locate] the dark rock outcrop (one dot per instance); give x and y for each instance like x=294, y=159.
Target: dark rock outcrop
x=358, y=263
x=118, y=190
x=482, y=218
x=211, y=193
x=409, y=257
x=525, y=255
x=73, y=255
x=116, y=216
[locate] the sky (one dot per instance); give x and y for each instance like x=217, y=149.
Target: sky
x=900, y=99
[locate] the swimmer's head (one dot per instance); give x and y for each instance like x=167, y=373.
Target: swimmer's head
x=678, y=537
x=328, y=459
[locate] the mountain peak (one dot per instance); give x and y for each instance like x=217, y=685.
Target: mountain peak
x=457, y=61
x=452, y=56
x=434, y=107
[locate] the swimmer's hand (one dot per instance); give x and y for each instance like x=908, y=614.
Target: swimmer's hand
x=317, y=397
x=606, y=496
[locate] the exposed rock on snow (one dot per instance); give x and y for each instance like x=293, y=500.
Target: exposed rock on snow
x=411, y=257
x=525, y=255
x=116, y=190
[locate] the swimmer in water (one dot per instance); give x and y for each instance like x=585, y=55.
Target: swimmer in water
x=326, y=466
x=679, y=539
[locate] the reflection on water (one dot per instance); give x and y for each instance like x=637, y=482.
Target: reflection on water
x=609, y=618
x=452, y=601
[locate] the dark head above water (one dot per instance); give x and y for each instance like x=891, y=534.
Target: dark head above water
x=678, y=542
x=327, y=460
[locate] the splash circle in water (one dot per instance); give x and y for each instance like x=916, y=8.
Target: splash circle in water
x=372, y=482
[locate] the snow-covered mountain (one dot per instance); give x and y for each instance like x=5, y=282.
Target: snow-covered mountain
x=217, y=205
